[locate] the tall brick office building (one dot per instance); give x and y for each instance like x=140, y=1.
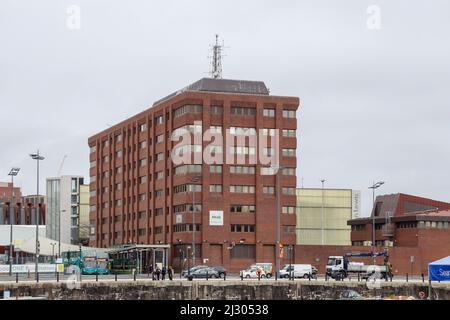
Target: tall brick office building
x=139, y=196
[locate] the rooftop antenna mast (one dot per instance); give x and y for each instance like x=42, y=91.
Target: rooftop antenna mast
x=216, y=71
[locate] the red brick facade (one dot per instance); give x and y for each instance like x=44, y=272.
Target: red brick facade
x=400, y=229
x=5, y=192
x=119, y=217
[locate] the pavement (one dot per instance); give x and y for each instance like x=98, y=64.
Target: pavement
x=47, y=277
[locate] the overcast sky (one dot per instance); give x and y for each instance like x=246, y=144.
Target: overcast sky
x=374, y=102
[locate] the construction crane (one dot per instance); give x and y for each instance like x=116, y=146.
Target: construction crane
x=61, y=166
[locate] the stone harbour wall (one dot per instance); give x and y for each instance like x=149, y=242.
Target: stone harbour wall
x=229, y=290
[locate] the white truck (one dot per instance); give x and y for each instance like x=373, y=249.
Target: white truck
x=297, y=271
x=339, y=267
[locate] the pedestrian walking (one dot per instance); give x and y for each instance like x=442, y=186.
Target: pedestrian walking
x=163, y=273
x=170, y=273
x=150, y=272
x=158, y=272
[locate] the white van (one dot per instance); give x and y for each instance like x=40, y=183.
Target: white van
x=298, y=271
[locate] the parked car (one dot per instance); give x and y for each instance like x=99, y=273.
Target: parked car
x=192, y=269
x=251, y=272
x=204, y=272
x=221, y=270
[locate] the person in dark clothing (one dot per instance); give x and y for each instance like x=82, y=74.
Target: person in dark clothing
x=158, y=272
x=150, y=272
x=163, y=273
x=170, y=273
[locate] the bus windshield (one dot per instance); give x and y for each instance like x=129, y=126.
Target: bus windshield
x=90, y=263
x=102, y=264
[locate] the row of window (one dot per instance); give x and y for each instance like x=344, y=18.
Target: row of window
x=189, y=228
x=185, y=149
x=213, y=188
x=245, y=111
x=242, y=228
x=409, y=225
x=187, y=109
x=235, y=208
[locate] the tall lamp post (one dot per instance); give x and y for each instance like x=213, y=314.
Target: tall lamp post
x=12, y=173
x=37, y=157
x=53, y=244
x=373, y=187
x=277, y=169
x=194, y=179
x=187, y=258
x=59, y=233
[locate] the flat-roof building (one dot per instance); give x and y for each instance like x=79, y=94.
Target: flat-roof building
x=141, y=194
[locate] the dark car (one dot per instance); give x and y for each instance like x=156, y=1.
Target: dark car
x=191, y=270
x=221, y=270
x=204, y=272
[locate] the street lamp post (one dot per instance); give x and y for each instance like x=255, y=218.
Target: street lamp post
x=194, y=179
x=12, y=173
x=37, y=157
x=322, y=212
x=53, y=244
x=278, y=168
x=187, y=258
x=290, y=261
x=59, y=233
x=373, y=187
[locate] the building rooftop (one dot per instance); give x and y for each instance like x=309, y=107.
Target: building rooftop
x=443, y=213
x=222, y=85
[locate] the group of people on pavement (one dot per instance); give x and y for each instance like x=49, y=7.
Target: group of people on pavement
x=160, y=273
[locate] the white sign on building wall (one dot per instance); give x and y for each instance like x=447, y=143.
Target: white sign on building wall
x=356, y=204
x=215, y=218
x=178, y=219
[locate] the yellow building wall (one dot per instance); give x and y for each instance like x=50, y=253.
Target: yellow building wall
x=337, y=208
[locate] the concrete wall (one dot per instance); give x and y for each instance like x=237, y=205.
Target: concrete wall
x=226, y=290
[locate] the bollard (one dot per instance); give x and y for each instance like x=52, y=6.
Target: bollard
x=57, y=277
x=423, y=277
x=37, y=276
x=407, y=277
x=96, y=277
x=326, y=276
x=17, y=277
x=359, y=277
x=276, y=276
x=309, y=278
x=134, y=275
x=224, y=276
x=242, y=277
x=115, y=276
x=207, y=275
